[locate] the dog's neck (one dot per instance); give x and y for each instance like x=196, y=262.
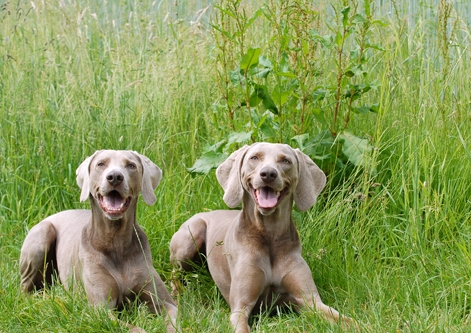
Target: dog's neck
x=112, y=235
x=275, y=225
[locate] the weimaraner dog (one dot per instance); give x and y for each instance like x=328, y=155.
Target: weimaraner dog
x=104, y=247
x=254, y=254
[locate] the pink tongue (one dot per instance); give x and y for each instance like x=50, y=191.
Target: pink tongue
x=113, y=201
x=267, y=198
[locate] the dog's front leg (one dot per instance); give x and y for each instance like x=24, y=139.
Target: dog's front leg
x=239, y=320
x=299, y=283
x=158, y=299
x=169, y=309
x=105, y=294
x=246, y=287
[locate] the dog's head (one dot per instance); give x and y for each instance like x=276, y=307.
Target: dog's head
x=114, y=179
x=270, y=173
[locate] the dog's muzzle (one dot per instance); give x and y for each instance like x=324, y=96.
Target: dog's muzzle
x=267, y=198
x=113, y=204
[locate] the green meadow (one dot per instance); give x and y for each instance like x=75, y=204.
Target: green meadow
x=377, y=93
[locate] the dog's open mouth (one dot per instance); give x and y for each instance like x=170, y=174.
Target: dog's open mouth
x=267, y=198
x=113, y=203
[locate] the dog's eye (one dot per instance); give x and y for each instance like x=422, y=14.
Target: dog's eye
x=254, y=158
x=131, y=166
x=101, y=164
x=286, y=161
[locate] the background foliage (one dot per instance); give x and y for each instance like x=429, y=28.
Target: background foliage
x=376, y=92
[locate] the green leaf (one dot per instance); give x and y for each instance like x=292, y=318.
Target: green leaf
x=357, y=18
x=367, y=7
x=267, y=100
x=345, y=12
x=300, y=140
x=239, y=137
x=381, y=23
x=365, y=109
x=224, y=32
x=355, y=91
x=206, y=162
x=320, y=116
x=374, y=108
x=349, y=73
x=283, y=66
x=250, y=59
x=375, y=47
x=338, y=39
x=265, y=62
x=355, y=70
x=326, y=41
x=254, y=17
x=361, y=110
x=286, y=74
x=318, y=147
x=365, y=88
x=254, y=99
x=280, y=95
x=305, y=47
x=217, y=147
x=356, y=150
x=265, y=67
x=268, y=127
x=236, y=77
x=260, y=72
x=319, y=94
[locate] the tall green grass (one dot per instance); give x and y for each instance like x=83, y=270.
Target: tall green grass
x=390, y=249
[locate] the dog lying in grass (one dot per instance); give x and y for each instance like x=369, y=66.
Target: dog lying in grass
x=104, y=248
x=254, y=254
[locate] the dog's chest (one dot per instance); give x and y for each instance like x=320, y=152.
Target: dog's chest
x=275, y=251
x=127, y=275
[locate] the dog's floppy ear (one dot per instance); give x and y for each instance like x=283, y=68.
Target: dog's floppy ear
x=83, y=177
x=228, y=175
x=150, y=179
x=311, y=181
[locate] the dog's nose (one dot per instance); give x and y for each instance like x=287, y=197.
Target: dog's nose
x=268, y=174
x=115, y=178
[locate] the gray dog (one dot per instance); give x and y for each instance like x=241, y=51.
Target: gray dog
x=104, y=247
x=254, y=254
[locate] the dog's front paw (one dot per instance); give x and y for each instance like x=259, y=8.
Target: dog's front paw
x=135, y=329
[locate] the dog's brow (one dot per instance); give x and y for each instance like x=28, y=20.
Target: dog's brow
x=256, y=153
x=102, y=160
x=284, y=157
x=127, y=161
